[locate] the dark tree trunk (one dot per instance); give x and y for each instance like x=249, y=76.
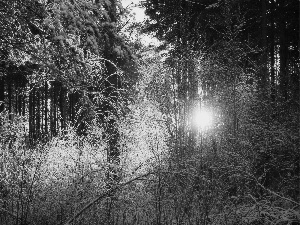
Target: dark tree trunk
x=30, y=113
x=37, y=115
x=63, y=107
x=296, y=75
x=20, y=103
x=17, y=94
x=46, y=108
x=9, y=94
x=272, y=54
x=111, y=85
x=283, y=81
x=193, y=94
x=53, y=109
x=33, y=114
x=264, y=71
x=71, y=108
x=23, y=105
x=73, y=100
x=32, y=117
x=2, y=96
x=42, y=111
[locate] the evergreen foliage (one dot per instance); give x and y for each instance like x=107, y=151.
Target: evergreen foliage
x=98, y=128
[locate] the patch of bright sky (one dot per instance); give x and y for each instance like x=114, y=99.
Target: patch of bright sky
x=139, y=12
x=139, y=15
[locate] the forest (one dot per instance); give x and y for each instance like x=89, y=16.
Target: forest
x=198, y=127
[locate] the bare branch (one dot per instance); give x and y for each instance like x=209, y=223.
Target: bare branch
x=104, y=195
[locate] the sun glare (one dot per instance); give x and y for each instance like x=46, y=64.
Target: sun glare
x=203, y=119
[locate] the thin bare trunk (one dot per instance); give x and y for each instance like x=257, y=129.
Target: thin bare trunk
x=272, y=54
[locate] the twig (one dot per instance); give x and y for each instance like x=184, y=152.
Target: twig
x=105, y=194
x=274, y=193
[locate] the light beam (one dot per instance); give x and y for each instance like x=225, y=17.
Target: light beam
x=203, y=119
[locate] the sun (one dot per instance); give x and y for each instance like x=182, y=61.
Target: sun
x=203, y=119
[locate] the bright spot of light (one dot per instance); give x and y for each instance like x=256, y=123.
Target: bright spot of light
x=203, y=118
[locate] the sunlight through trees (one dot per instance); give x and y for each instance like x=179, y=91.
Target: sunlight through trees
x=203, y=118
x=149, y=112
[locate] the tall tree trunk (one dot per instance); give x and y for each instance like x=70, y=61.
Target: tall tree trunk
x=264, y=70
x=53, y=109
x=71, y=107
x=46, y=108
x=272, y=54
x=19, y=105
x=38, y=115
x=24, y=107
x=297, y=75
x=283, y=81
x=235, y=108
x=193, y=94
x=17, y=94
x=33, y=114
x=63, y=107
x=9, y=94
x=30, y=113
x=112, y=84
x=73, y=100
x=2, y=96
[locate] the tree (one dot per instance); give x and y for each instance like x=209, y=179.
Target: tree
x=60, y=67
x=66, y=41
x=235, y=70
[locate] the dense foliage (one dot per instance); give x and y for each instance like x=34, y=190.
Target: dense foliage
x=236, y=58
x=98, y=128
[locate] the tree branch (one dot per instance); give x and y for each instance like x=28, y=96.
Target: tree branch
x=104, y=195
